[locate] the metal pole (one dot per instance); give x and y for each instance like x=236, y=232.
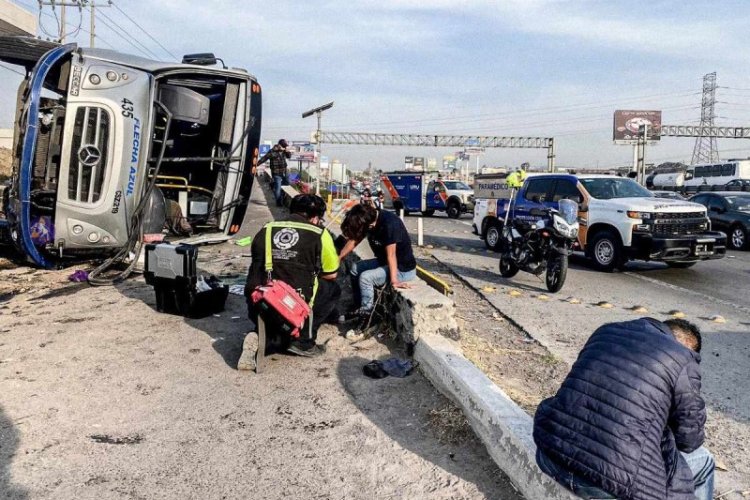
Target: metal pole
x=635, y=155
x=320, y=153
x=420, y=232
x=93, y=24
x=551, y=156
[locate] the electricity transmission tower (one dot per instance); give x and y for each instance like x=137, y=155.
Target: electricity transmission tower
x=705, y=150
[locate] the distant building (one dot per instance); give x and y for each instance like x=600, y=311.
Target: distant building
x=15, y=20
x=6, y=138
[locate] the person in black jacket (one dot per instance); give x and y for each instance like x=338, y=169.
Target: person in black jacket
x=278, y=156
x=628, y=421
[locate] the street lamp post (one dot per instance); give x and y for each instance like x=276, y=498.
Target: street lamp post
x=319, y=113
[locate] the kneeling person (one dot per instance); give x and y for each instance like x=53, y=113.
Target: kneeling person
x=303, y=256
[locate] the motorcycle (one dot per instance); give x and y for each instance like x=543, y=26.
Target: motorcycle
x=543, y=245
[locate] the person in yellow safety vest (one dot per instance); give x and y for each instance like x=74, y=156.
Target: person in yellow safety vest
x=516, y=179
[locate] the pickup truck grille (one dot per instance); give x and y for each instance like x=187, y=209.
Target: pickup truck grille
x=679, y=223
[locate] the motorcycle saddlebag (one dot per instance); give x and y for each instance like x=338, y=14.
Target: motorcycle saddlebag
x=280, y=302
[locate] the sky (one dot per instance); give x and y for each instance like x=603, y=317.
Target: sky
x=550, y=68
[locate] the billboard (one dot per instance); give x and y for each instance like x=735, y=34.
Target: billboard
x=627, y=123
x=302, y=151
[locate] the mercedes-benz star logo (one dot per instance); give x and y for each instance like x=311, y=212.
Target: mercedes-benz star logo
x=89, y=155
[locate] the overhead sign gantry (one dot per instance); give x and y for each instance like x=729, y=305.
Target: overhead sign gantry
x=436, y=140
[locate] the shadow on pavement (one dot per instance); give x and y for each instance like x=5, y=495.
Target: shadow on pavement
x=401, y=407
x=8, y=445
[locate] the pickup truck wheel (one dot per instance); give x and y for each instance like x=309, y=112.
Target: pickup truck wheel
x=492, y=235
x=681, y=265
x=606, y=251
x=428, y=213
x=454, y=210
x=737, y=237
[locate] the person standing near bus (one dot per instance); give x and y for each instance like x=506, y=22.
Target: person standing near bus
x=278, y=156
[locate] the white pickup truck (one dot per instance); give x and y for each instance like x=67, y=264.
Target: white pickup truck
x=620, y=220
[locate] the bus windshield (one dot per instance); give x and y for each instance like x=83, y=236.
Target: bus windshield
x=607, y=188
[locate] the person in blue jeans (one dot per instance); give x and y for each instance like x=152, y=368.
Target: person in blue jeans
x=389, y=240
x=628, y=421
x=277, y=157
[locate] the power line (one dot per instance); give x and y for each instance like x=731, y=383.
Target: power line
x=121, y=36
x=12, y=69
x=146, y=32
x=147, y=52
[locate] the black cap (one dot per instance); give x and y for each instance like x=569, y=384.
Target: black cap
x=283, y=143
x=308, y=205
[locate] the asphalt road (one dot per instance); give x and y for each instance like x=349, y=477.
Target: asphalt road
x=717, y=280
x=709, y=289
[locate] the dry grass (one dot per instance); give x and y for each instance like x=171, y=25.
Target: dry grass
x=450, y=424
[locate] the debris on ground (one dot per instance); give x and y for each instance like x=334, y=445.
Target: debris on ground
x=79, y=276
x=399, y=368
x=107, y=439
x=450, y=424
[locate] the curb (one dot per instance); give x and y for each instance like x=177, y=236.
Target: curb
x=504, y=428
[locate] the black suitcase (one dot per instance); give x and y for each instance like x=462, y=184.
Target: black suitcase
x=173, y=272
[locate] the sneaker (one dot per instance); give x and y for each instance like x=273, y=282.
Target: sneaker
x=249, y=351
x=362, y=312
x=312, y=352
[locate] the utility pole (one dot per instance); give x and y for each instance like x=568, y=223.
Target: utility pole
x=81, y=4
x=62, y=21
x=92, y=29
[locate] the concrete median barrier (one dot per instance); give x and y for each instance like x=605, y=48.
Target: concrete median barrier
x=504, y=428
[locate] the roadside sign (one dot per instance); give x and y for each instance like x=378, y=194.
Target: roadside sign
x=471, y=142
x=627, y=123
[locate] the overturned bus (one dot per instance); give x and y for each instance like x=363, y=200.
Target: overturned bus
x=102, y=138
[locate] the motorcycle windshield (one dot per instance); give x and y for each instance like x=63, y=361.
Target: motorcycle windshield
x=569, y=210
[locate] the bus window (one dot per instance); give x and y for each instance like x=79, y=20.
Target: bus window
x=728, y=169
x=715, y=171
x=700, y=171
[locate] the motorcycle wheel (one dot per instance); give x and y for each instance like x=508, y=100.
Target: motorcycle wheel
x=508, y=268
x=557, y=271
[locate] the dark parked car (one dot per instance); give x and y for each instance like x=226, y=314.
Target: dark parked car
x=729, y=212
x=738, y=185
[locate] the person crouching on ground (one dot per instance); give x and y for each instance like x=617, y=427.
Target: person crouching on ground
x=628, y=421
x=304, y=257
x=389, y=240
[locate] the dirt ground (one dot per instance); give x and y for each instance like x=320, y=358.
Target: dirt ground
x=103, y=397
